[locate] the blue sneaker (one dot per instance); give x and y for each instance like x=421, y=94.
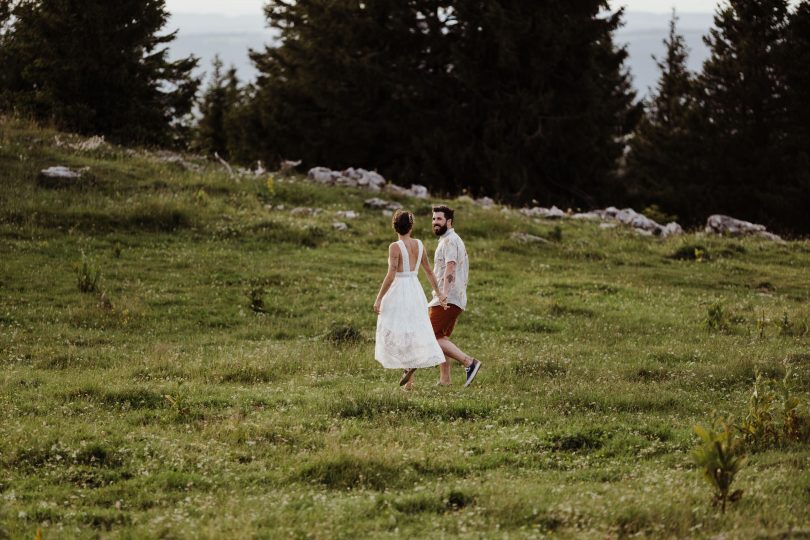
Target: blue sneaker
x=472, y=371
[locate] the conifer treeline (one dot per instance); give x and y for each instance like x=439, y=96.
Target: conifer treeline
x=733, y=138
x=517, y=99
x=96, y=67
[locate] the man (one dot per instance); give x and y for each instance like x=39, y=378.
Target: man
x=451, y=266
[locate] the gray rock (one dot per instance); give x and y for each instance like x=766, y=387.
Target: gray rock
x=419, y=191
x=62, y=177
x=346, y=181
x=347, y=214
x=322, y=175
x=485, y=202
x=526, y=238
x=720, y=224
x=375, y=203
x=671, y=229
x=395, y=189
x=380, y=204
x=302, y=211
x=339, y=226
x=546, y=213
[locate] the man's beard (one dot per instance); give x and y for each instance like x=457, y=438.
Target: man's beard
x=439, y=230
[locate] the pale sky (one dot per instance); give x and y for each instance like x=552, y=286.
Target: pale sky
x=253, y=7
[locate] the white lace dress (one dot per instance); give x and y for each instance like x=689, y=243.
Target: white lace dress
x=405, y=336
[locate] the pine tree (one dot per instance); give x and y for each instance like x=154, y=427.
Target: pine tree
x=499, y=97
x=216, y=106
x=95, y=66
x=337, y=89
x=662, y=168
x=797, y=67
x=742, y=100
x=797, y=146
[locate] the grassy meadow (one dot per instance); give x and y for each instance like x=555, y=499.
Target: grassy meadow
x=220, y=382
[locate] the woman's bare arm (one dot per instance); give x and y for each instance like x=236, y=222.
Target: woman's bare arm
x=393, y=262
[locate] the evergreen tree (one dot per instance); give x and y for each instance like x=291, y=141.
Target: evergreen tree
x=797, y=71
x=662, y=164
x=216, y=106
x=797, y=68
x=742, y=100
x=540, y=102
x=95, y=66
x=337, y=90
x=501, y=97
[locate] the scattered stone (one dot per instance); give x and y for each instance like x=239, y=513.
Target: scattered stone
x=347, y=214
x=395, y=189
x=485, y=202
x=720, y=224
x=608, y=225
x=346, y=181
x=93, y=143
x=61, y=177
x=322, y=175
x=418, y=191
x=339, y=226
x=380, y=204
x=671, y=229
x=546, y=213
x=350, y=177
x=387, y=213
x=527, y=238
x=303, y=211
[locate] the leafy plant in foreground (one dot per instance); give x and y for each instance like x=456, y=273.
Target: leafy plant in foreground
x=717, y=319
x=87, y=275
x=774, y=413
x=719, y=458
x=256, y=296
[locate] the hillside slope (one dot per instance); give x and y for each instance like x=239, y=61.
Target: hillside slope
x=220, y=379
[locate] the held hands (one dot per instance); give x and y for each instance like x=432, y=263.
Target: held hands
x=442, y=299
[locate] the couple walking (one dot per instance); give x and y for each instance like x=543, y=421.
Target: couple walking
x=411, y=333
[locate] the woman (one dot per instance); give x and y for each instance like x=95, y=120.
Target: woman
x=405, y=338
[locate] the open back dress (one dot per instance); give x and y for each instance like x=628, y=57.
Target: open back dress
x=405, y=336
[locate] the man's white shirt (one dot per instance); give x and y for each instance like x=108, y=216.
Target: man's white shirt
x=451, y=249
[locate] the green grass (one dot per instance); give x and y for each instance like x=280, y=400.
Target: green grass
x=170, y=408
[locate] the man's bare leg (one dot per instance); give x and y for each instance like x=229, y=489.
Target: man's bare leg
x=450, y=350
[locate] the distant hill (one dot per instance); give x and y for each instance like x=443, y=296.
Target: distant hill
x=206, y=35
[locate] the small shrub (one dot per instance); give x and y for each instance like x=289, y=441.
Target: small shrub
x=717, y=318
x=691, y=253
x=788, y=328
x=87, y=275
x=758, y=428
x=456, y=500
x=774, y=413
x=556, y=234
x=719, y=458
x=266, y=189
x=341, y=334
x=656, y=214
x=256, y=296
x=588, y=440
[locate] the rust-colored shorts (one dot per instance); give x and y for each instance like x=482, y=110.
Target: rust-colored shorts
x=443, y=320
